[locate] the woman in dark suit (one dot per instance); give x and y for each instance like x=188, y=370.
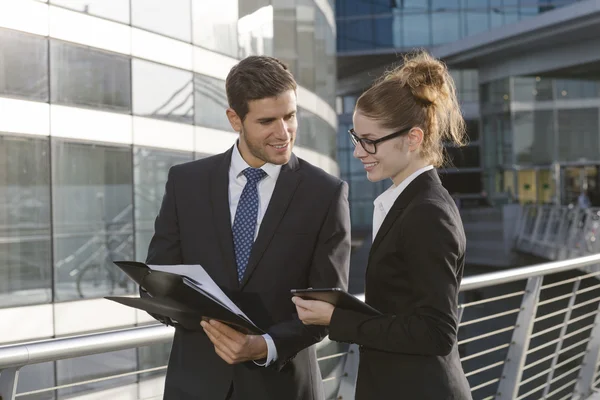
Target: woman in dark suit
x=417, y=257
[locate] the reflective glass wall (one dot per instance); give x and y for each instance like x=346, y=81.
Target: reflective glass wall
x=89, y=128
x=384, y=24
x=68, y=207
x=541, y=139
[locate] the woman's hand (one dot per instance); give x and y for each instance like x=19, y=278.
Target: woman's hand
x=313, y=312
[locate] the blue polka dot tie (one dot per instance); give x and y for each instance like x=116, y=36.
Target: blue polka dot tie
x=244, y=226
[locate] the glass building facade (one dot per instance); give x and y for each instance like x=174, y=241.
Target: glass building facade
x=387, y=24
x=98, y=99
x=541, y=139
x=367, y=26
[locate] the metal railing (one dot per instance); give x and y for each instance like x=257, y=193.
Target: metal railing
x=558, y=232
x=524, y=333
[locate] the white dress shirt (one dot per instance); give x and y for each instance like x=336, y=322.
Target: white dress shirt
x=237, y=181
x=384, y=202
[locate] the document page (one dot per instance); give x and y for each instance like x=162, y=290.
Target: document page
x=198, y=279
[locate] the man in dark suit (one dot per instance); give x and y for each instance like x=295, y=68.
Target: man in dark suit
x=260, y=221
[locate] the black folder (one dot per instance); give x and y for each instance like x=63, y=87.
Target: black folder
x=338, y=298
x=179, y=298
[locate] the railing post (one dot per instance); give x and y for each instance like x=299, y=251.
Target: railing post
x=536, y=226
x=561, y=335
x=553, y=213
x=517, y=352
x=523, y=218
x=572, y=234
x=587, y=374
x=348, y=382
x=559, y=238
x=8, y=383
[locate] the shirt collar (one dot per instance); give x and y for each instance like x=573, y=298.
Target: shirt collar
x=388, y=198
x=238, y=165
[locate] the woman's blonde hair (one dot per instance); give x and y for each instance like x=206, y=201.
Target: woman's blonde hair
x=419, y=93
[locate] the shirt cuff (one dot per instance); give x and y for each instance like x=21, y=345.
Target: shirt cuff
x=271, y=351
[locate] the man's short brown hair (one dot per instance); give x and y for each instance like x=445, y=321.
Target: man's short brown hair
x=255, y=78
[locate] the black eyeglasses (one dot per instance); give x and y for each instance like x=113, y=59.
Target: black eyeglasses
x=369, y=145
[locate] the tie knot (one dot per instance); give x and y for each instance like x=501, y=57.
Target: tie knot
x=254, y=175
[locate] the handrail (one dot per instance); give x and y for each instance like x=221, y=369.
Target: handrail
x=84, y=345
x=516, y=274
x=19, y=355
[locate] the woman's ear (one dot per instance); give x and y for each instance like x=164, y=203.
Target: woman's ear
x=415, y=138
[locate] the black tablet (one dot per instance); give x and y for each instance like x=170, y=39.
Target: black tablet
x=338, y=298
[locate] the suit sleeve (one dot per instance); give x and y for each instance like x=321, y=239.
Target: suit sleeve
x=329, y=268
x=430, y=244
x=164, y=248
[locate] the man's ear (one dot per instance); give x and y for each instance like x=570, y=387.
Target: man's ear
x=234, y=120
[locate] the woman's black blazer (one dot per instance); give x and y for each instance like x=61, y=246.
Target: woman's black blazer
x=413, y=277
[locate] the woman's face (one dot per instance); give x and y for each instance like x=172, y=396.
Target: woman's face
x=392, y=157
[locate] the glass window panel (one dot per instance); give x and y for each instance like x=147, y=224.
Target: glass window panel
x=331, y=61
x=575, y=89
x=152, y=357
x=315, y=133
x=349, y=103
x=306, y=46
x=210, y=103
x=162, y=92
x=445, y=21
x=496, y=13
x=170, y=18
x=473, y=130
x=255, y=28
x=578, y=134
x=92, y=219
x=93, y=367
x=544, y=142
x=527, y=10
x=25, y=245
x=23, y=65
x=544, y=89
x=511, y=11
x=524, y=88
x=470, y=83
x=495, y=96
x=285, y=42
x=382, y=31
x=86, y=77
x=321, y=55
x=523, y=126
x=463, y=182
x=35, y=377
x=464, y=157
x=477, y=16
x=151, y=168
x=214, y=24
x=306, y=134
x=117, y=10
x=343, y=159
x=416, y=26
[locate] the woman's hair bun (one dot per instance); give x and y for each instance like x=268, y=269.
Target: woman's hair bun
x=425, y=76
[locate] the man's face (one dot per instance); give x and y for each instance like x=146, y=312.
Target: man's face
x=268, y=132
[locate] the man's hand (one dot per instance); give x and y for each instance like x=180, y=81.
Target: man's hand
x=232, y=346
x=313, y=312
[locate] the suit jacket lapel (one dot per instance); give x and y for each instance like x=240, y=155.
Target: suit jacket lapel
x=420, y=183
x=286, y=185
x=219, y=193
